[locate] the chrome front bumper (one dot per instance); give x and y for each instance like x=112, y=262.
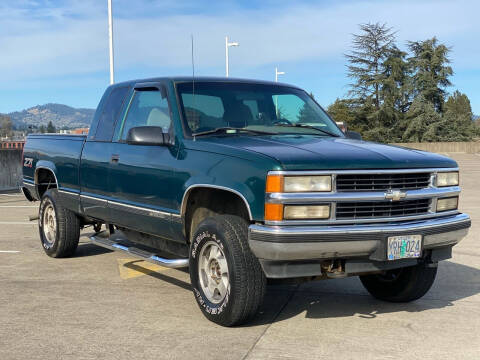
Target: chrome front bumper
x=290, y=243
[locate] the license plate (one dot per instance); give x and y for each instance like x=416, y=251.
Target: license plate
x=403, y=247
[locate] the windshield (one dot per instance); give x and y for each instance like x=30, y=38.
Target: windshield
x=263, y=108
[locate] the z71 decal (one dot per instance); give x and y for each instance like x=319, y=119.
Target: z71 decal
x=28, y=162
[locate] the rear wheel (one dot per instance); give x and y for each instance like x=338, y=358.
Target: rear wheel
x=400, y=285
x=227, y=279
x=59, y=227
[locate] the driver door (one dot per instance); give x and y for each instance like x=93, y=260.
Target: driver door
x=142, y=176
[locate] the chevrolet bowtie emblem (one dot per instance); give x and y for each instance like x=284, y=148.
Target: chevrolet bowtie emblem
x=395, y=195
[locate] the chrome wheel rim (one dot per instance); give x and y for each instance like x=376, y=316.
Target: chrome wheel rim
x=49, y=225
x=213, y=272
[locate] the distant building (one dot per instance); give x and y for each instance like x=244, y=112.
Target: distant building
x=79, y=131
x=11, y=144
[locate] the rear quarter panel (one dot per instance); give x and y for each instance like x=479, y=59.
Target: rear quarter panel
x=59, y=153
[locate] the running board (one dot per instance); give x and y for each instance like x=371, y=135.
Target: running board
x=102, y=239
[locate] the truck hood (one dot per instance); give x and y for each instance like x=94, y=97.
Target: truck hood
x=306, y=152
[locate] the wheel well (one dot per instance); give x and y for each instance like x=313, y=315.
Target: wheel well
x=44, y=179
x=205, y=202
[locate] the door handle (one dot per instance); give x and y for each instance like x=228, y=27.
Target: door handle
x=114, y=158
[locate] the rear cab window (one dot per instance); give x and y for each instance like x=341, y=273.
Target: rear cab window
x=110, y=112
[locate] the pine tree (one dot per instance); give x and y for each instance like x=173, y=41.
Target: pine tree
x=431, y=70
x=370, y=49
x=341, y=111
x=6, y=126
x=51, y=128
x=459, y=103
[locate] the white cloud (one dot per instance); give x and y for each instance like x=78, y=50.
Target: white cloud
x=43, y=41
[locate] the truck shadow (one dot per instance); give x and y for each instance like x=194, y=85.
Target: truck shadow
x=330, y=298
x=347, y=298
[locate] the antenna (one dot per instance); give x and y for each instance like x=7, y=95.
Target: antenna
x=193, y=78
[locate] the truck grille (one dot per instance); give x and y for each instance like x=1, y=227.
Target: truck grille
x=382, y=182
x=379, y=209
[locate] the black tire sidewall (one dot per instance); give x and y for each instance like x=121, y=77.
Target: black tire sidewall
x=206, y=232
x=47, y=200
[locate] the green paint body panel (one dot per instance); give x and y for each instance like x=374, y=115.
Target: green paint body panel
x=144, y=189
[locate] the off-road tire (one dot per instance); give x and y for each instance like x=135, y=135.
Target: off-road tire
x=247, y=281
x=67, y=232
x=400, y=285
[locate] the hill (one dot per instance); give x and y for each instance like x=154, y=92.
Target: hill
x=60, y=115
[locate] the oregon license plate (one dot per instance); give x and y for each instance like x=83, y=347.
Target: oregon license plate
x=403, y=247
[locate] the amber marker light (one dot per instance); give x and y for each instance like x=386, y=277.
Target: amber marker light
x=274, y=183
x=273, y=212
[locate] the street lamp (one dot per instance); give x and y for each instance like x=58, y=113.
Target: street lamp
x=227, y=45
x=278, y=73
x=276, y=80
x=110, y=39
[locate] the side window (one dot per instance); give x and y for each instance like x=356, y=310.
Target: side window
x=147, y=108
x=110, y=113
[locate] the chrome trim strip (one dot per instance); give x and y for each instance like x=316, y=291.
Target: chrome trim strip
x=360, y=228
x=141, y=208
x=29, y=184
x=310, y=198
x=360, y=171
x=93, y=198
x=191, y=187
x=363, y=221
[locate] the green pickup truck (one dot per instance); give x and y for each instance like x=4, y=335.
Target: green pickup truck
x=244, y=181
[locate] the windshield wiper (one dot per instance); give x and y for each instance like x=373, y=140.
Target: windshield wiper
x=309, y=127
x=226, y=128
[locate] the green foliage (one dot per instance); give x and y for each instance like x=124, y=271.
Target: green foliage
x=396, y=96
x=430, y=63
x=42, y=129
x=51, y=128
x=370, y=49
x=6, y=126
x=459, y=104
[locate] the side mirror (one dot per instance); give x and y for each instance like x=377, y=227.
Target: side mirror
x=353, y=135
x=147, y=135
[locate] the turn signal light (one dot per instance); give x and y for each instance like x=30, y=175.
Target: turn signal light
x=273, y=212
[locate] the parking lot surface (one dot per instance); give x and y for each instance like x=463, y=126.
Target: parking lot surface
x=105, y=305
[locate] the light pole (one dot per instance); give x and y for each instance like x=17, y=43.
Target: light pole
x=278, y=73
x=276, y=80
x=110, y=40
x=227, y=45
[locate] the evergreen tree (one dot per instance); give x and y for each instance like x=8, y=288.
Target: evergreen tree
x=42, y=129
x=341, y=111
x=420, y=117
x=6, y=126
x=370, y=49
x=459, y=104
x=51, y=128
x=431, y=70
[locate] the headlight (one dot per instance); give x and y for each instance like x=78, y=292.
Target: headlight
x=316, y=183
x=447, y=204
x=296, y=212
x=447, y=178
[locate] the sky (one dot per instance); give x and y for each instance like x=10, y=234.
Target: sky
x=57, y=50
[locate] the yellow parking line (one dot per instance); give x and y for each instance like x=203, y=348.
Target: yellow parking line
x=131, y=268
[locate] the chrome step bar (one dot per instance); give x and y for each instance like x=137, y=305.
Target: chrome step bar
x=113, y=243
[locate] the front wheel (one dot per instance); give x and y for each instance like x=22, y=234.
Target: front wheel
x=400, y=285
x=227, y=279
